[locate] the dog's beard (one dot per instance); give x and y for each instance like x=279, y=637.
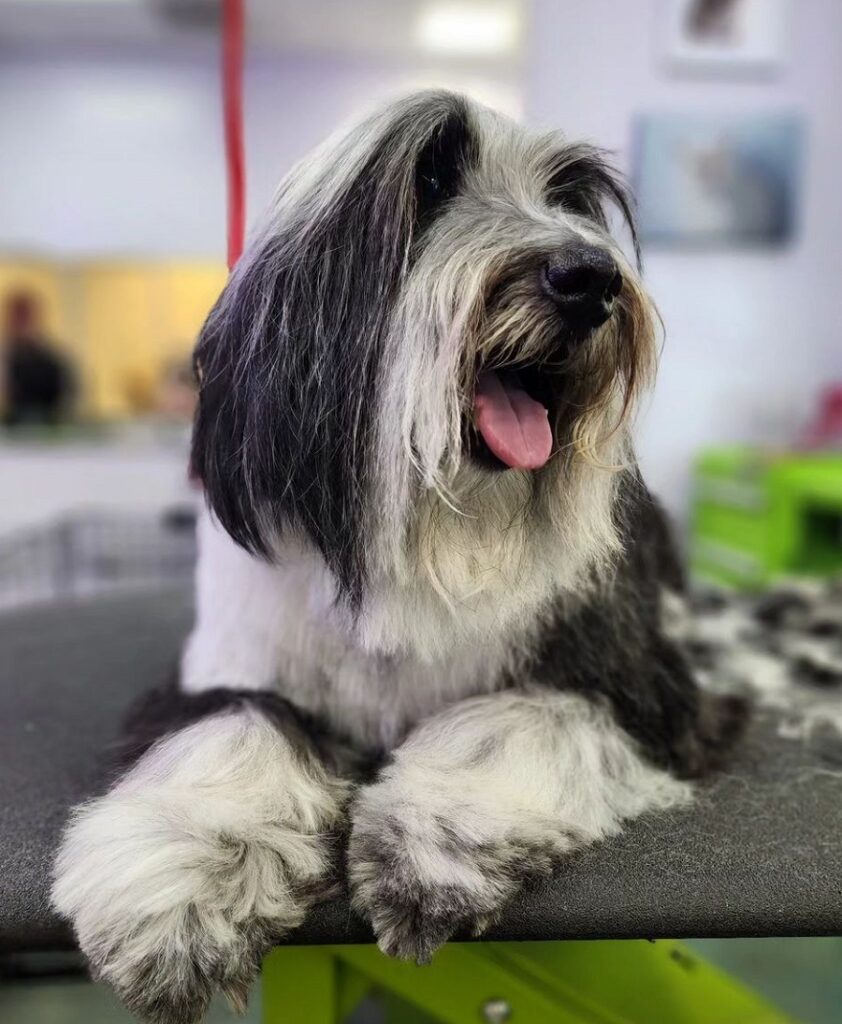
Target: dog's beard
x=468, y=546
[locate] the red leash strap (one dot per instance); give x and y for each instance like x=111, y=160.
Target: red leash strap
x=232, y=102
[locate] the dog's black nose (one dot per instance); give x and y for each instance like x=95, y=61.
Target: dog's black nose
x=583, y=281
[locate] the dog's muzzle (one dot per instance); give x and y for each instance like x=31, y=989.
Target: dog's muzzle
x=512, y=405
x=583, y=281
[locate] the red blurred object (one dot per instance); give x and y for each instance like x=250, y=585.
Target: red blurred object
x=826, y=429
x=232, y=100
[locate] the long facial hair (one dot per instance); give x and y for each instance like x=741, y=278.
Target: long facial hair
x=338, y=372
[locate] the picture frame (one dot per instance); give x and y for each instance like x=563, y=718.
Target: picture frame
x=724, y=36
x=714, y=180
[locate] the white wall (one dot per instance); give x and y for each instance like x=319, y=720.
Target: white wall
x=106, y=156
x=752, y=335
x=132, y=476
x=122, y=155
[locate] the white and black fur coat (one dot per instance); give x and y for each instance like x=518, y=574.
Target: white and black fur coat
x=428, y=655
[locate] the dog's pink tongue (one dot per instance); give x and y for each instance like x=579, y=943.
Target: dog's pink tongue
x=514, y=426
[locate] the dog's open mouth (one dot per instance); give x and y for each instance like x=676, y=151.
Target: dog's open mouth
x=511, y=419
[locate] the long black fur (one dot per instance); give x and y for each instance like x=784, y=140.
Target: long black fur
x=280, y=441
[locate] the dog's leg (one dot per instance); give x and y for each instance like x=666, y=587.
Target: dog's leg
x=482, y=797
x=211, y=847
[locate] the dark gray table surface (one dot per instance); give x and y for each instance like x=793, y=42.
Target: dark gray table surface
x=760, y=853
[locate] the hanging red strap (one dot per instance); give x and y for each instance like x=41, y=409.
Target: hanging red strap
x=232, y=101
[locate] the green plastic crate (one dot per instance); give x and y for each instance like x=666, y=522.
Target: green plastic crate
x=759, y=516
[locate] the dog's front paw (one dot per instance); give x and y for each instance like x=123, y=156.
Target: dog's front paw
x=181, y=877
x=421, y=877
x=165, y=968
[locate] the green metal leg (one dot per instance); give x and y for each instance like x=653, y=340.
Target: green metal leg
x=310, y=985
x=299, y=986
x=629, y=982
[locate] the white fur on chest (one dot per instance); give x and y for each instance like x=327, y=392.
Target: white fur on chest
x=261, y=626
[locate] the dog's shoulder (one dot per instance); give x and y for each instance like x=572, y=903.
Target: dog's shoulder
x=650, y=554
x=610, y=646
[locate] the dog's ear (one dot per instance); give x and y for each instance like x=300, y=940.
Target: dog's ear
x=289, y=357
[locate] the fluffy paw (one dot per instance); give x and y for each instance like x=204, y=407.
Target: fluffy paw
x=420, y=883
x=166, y=968
x=180, y=878
x=480, y=800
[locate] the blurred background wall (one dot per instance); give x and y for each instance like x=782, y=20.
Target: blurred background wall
x=118, y=146
x=113, y=197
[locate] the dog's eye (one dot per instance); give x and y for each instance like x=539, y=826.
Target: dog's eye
x=439, y=169
x=435, y=182
x=429, y=187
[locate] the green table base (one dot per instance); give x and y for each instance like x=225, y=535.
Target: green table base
x=622, y=982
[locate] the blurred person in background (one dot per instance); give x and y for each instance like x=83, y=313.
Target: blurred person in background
x=177, y=396
x=36, y=382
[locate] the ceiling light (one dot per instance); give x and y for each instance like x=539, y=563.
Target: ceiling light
x=468, y=29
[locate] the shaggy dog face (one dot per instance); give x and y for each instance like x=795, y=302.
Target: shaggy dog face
x=435, y=298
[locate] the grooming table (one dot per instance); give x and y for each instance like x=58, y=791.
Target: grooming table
x=759, y=854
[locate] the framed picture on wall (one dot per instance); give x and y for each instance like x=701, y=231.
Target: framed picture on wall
x=719, y=180
x=722, y=36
